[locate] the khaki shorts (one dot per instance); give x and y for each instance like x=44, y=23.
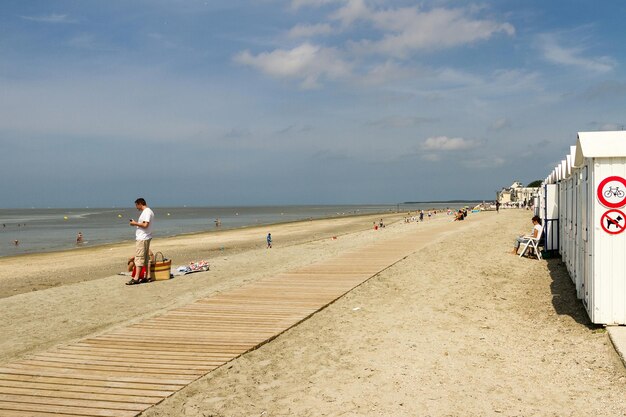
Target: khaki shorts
x=142, y=250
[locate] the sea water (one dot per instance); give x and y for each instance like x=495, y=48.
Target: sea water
x=46, y=230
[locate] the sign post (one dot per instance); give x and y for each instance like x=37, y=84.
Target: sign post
x=612, y=192
x=613, y=221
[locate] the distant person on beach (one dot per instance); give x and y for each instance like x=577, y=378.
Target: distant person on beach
x=537, y=228
x=381, y=224
x=143, y=237
x=459, y=216
x=16, y=242
x=269, y=240
x=421, y=215
x=497, y=207
x=79, y=238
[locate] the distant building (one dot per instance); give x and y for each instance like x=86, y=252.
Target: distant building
x=517, y=194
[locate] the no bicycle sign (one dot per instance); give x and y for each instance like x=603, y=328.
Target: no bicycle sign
x=612, y=192
x=613, y=222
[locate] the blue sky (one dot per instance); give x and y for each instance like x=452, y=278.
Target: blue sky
x=297, y=102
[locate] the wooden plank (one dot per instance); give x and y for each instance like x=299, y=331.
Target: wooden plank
x=147, y=348
x=15, y=369
x=40, y=377
x=141, y=394
x=148, y=341
x=152, y=353
x=128, y=399
x=180, y=336
x=113, y=371
x=140, y=359
x=16, y=413
x=73, y=402
x=131, y=363
x=217, y=346
x=61, y=409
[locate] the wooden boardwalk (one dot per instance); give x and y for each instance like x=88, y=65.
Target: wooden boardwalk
x=123, y=372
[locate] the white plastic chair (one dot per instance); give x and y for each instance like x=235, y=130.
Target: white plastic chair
x=532, y=242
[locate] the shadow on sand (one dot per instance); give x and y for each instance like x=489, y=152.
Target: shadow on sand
x=564, y=295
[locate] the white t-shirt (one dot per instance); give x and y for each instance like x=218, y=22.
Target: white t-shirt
x=145, y=233
x=538, y=228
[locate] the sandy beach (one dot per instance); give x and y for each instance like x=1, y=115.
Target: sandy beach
x=459, y=328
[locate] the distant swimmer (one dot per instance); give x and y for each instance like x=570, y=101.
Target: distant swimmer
x=16, y=242
x=79, y=238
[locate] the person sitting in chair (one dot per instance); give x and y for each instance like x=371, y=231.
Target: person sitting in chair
x=524, y=239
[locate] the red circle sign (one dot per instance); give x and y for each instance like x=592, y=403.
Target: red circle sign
x=612, y=192
x=613, y=222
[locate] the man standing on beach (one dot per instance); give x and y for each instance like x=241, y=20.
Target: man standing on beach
x=269, y=240
x=143, y=236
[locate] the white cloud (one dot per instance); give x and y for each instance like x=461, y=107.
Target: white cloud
x=605, y=90
x=386, y=72
x=401, y=121
x=399, y=32
x=611, y=126
x=454, y=77
x=432, y=157
x=500, y=124
x=83, y=41
x=409, y=29
x=606, y=126
x=51, y=18
x=353, y=10
x=296, y=4
x=484, y=163
x=128, y=106
x=574, y=56
x=305, y=31
x=307, y=62
x=444, y=143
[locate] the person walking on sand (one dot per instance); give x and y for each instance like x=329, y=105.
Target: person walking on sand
x=143, y=237
x=497, y=206
x=269, y=241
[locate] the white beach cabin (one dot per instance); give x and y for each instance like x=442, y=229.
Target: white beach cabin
x=599, y=248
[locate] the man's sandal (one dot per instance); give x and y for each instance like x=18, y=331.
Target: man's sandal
x=133, y=282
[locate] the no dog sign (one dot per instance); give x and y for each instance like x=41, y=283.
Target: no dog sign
x=612, y=192
x=613, y=222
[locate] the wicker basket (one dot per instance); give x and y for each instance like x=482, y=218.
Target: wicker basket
x=161, y=270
